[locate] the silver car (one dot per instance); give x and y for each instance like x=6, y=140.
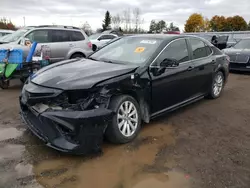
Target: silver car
x=60, y=42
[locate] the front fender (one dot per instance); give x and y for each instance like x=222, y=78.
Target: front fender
x=135, y=86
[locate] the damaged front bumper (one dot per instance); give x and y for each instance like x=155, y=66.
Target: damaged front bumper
x=78, y=132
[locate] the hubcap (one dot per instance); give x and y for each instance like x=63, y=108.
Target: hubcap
x=218, y=84
x=127, y=118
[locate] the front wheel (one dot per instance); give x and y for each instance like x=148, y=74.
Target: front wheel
x=126, y=123
x=217, y=85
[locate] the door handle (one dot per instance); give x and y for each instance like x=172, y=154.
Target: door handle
x=190, y=68
x=213, y=61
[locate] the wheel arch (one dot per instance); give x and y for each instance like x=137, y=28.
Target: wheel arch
x=75, y=53
x=221, y=69
x=143, y=104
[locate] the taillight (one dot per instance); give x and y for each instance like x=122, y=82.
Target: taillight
x=228, y=58
x=90, y=45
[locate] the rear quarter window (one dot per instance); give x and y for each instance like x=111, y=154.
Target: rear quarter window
x=77, y=36
x=199, y=49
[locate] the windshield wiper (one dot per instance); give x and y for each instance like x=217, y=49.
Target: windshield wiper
x=92, y=59
x=108, y=61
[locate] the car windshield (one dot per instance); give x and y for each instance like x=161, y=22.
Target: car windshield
x=94, y=36
x=128, y=50
x=242, y=44
x=15, y=36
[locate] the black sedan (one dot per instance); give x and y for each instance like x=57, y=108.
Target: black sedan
x=239, y=55
x=73, y=104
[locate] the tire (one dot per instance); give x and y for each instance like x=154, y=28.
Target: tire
x=23, y=80
x=218, y=81
x=4, y=84
x=77, y=55
x=117, y=135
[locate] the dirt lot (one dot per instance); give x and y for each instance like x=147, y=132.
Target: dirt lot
x=203, y=145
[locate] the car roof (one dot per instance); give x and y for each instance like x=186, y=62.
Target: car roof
x=168, y=37
x=7, y=31
x=54, y=27
x=160, y=36
x=246, y=38
x=164, y=36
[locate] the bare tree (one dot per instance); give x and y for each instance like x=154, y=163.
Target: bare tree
x=141, y=24
x=127, y=19
x=87, y=28
x=116, y=21
x=137, y=18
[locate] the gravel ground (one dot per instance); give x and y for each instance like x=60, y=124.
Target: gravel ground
x=206, y=145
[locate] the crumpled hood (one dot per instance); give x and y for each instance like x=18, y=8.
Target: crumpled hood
x=233, y=51
x=79, y=74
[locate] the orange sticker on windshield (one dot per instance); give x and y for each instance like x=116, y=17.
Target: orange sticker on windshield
x=139, y=49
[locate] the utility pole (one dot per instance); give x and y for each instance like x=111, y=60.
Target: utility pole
x=24, y=21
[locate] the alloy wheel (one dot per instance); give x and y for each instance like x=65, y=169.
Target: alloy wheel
x=218, y=84
x=127, y=118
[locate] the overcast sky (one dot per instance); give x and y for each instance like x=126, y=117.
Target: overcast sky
x=76, y=12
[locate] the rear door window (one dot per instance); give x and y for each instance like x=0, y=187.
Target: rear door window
x=176, y=50
x=60, y=36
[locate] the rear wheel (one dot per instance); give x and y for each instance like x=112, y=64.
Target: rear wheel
x=217, y=85
x=77, y=55
x=126, y=123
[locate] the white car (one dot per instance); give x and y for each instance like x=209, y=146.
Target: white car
x=4, y=32
x=99, y=39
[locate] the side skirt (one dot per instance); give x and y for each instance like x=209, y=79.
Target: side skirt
x=177, y=106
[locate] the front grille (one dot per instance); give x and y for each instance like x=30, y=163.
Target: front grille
x=239, y=58
x=242, y=58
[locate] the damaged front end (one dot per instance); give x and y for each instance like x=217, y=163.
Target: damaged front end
x=69, y=121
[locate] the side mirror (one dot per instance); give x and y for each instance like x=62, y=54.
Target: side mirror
x=22, y=41
x=25, y=42
x=169, y=63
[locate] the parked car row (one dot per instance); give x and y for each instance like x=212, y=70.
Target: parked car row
x=231, y=37
x=235, y=44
